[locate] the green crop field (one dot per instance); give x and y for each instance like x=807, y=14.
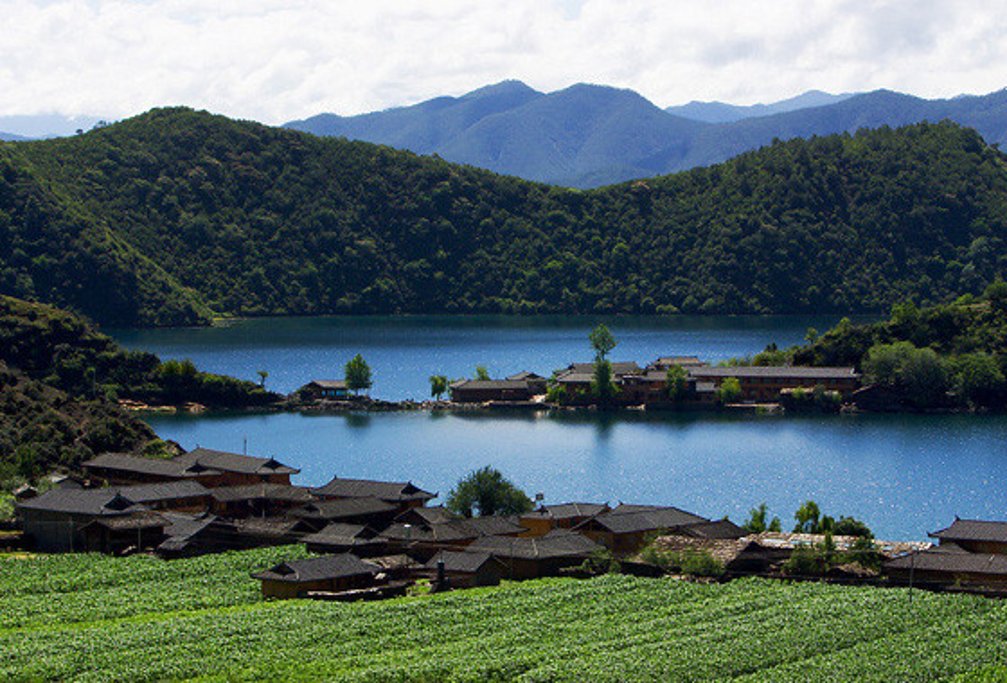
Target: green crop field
x=99, y=618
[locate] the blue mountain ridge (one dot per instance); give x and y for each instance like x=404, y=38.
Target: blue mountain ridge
x=591, y=135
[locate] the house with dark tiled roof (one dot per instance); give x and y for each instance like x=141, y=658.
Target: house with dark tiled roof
x=717, y=529
x=626, y=528
x=576, y=379
x=367, y=511
x=332, y=573
x=544, y=519
x=427, y=515
x=182, y=496
x=536, y=383
x=209, y=467
x=950, y=566
x=221, y=468
x=764, y=383
x=529, y=558
x=466, y=569
x=340, y=538
x=666, y=362
x=324, y=389
x=116, y=534
x=403, y=494
x=186, y=536
x=55, y=519
x=258, y=500
x=484, y=390
x=124, y=469
x=424, y=540
x=975, y=535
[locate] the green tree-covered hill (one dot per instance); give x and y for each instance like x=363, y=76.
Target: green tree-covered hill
x=175, y=215
x=59, y=382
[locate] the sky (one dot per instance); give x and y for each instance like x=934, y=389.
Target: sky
x=277, y=60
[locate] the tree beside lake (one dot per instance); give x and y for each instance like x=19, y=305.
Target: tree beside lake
x=358, y=374
x=487, y=492
x=438, y=386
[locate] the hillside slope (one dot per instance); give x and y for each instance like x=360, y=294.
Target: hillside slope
x=59, y=381
x=202, y=213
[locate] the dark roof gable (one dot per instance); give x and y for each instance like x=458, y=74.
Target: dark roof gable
x=973, y=530
x=319, y=569
x=363, y=488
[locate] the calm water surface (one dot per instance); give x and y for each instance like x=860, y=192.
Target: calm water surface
x=904, y=475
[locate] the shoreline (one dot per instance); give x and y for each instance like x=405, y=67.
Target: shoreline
x=330, y=407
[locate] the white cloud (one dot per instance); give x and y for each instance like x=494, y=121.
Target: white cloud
x=274, y=60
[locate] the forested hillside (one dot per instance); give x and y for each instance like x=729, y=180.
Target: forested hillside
x=947, y=356
x=174, y=215
x=59, y=381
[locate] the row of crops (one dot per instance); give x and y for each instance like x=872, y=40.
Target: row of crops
x=92, y=617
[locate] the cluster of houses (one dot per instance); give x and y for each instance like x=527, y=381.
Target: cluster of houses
x=376, y=538
x=376, y=535
x=970, y=555
x=648, y=386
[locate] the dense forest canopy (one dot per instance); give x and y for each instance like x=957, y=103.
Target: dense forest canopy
x=946, y=356
x=176, y=215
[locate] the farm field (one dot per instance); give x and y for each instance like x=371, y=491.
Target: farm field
x=88, y=617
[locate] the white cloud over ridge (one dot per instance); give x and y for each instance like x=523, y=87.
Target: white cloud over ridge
x=273, y=61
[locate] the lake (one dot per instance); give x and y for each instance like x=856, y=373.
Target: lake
x=904, y=475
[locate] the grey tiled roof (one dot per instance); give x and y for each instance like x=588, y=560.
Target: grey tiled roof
x=168, y=490
x=342, y=535
x=133, y=463
x=553, y=545
x=487, y=384
x=720, y=529
x=636, y=518
x=114, y=500
x=774, y=372
x=319, y=569
x=198, y=461
x=567, y=510
x=364, y=488
x=974, y=530
x=263, y=491
x=463, y=562
x=344, y=508
x=951, y=562
x=328, y=383
x=232, y=462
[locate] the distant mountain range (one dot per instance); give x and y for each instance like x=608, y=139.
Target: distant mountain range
x=40, y=126
x=587, y=135
x=722, y=112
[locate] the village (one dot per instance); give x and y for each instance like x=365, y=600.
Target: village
x=669, y=383
x=376, y=539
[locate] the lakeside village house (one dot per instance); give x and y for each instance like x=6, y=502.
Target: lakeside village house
x=648, y=386
x=378, y=537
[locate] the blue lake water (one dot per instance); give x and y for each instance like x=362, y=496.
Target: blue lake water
x=903, y=475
